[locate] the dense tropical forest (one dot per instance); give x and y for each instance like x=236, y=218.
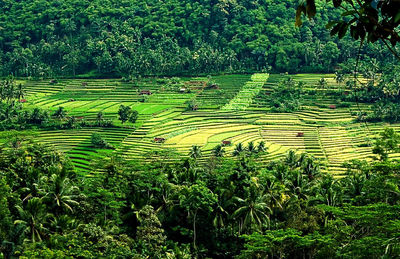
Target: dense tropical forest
x=127, y=38
x=227, y=208
x=199, y=129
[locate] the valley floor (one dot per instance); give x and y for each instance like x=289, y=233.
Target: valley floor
x=234, y=111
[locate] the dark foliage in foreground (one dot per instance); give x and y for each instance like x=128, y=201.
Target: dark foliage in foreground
x=225, y=208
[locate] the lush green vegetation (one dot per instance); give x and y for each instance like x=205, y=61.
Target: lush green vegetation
x=225, y=208
x=286, y=96
x=99, y=38
x=156, y=179
x=179, y=129
x=299, y=112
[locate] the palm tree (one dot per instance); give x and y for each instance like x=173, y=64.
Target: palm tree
x=238, y=150
x=298, y=185
x=219, y=151
x=62, y=223
x=251, y=147
x=220, y=215
x=60, y=113
x=20, y=92
x=322, y=83
x=253, y=211
x=273, y=190
x=99, y=118
x=33, y=217
x=36, y=116
x=281, y=171
x=10, y=90
x=31, y=190
x=310, y=167
x=61, y=192
x=339, y=77
x=2, y=90
x=71, y=123
x=327, y=191
x=8, y=111
x=195, y=152
x=354, y=184
x=261, y=148
x=168, y=196
x=291, y=159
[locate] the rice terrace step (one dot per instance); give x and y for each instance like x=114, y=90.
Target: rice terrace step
x=327, y=132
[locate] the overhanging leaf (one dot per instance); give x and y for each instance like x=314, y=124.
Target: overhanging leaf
x=397, y=17
x=311, y=8
x=343, y=30
x=337, y=3
x=330, y=24
x=301, y=9
x=335, y=29
x=349, y=13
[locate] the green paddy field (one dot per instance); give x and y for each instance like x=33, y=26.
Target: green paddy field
x=234, y=112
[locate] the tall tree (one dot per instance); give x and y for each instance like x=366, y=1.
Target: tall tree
x=253, y=212
x=195, y=152
x=219, y=151
x=150, y=233
x=61, y=193
x=197, y=198
x=33, y=216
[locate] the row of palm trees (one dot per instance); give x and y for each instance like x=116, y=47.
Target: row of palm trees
x=274, y=191
x=296, y=179
x=257, y=199
x=248, y=205
x=251, y=148
x=239, y=150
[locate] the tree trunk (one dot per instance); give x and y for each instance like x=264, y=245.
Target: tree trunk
x=105, y=214
x=194, y=229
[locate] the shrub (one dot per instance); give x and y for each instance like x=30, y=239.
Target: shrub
x=286, y=97
x=344, y=105
x=127, y=114
x=60, y=113
x=71, y=123
x=133, y=116
x=144, y=98
x=162, y=80
x=99, y=142
x=192, y=105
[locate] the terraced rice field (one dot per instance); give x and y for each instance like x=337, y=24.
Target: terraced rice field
x=235, y=112
x=245, y=96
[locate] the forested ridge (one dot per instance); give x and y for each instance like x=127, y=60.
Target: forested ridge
x=40, y=38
